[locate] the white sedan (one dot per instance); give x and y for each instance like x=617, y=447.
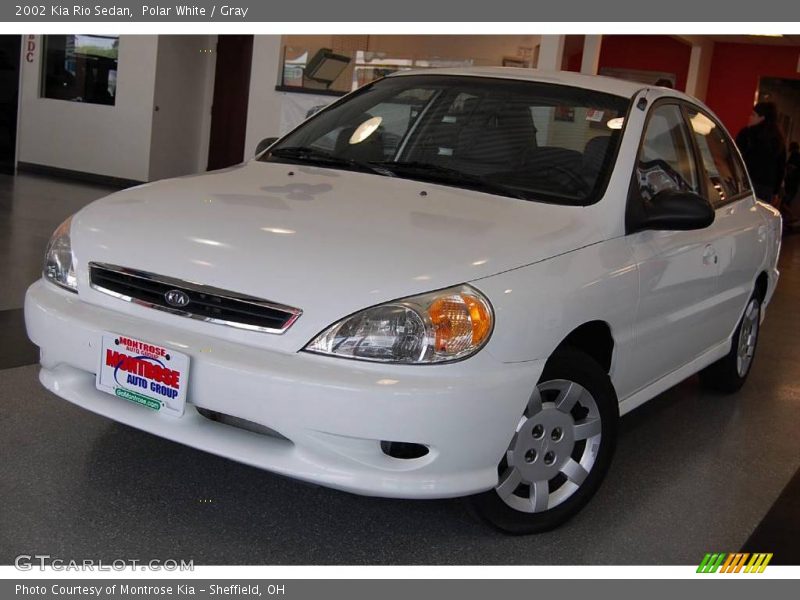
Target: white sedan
x=447, y=283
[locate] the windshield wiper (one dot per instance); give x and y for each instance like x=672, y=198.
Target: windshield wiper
x=315, y=156
x=442, y=174
x=431, y=172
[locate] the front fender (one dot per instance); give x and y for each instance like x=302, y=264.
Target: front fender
x=537, y=306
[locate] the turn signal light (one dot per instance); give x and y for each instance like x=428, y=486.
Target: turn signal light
x=460, y=321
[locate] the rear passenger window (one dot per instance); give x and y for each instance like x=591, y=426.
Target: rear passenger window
x=665, y=159
x=741, y=172
x=726, y=177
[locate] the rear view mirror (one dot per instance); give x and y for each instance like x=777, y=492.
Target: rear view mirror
x=672, y=210
x=264, y=144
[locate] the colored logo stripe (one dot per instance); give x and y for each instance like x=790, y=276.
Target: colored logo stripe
x=734, y=562
x=758, y=563
x=711, y=562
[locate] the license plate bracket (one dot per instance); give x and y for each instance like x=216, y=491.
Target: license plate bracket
x=144, y=373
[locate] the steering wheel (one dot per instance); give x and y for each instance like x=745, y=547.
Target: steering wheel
x=579, y=184
x=662, y=166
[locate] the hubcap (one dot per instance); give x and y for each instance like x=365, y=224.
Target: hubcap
x=553, y=449
x=748, y=335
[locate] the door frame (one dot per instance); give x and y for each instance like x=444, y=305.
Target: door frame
x=220, y=83
x=11, y=168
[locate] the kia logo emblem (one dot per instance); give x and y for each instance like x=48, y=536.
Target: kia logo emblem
x=176, y=298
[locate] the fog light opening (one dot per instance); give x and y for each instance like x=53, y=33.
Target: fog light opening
x=404, y=450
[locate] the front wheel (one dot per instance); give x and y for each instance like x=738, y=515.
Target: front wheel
x=560, y=450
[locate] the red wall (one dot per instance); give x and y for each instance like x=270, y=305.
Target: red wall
x=735, y=72
x=647, y=53
x=573, y=53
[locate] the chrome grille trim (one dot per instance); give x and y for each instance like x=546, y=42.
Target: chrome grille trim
x=285, y=315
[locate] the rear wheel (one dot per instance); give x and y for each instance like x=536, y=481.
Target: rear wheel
x=560, y=450
x=729, y=373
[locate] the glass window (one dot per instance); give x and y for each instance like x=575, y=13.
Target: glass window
x=726, y=175
x=80, y=68
x=665, y=160
x=741, y=172
x=391, y=120
x=524, y=139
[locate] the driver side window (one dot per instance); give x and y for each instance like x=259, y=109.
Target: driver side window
x=384, y=127
x=665, y=160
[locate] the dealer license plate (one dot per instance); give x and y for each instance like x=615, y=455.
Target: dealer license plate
x=147, y=374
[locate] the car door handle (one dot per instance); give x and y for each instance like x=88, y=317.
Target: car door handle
x=710, y=256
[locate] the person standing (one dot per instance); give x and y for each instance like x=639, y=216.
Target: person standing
x=792, y=182
x=764, y=151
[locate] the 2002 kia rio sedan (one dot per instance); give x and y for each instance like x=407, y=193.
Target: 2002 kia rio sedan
x=448, y=283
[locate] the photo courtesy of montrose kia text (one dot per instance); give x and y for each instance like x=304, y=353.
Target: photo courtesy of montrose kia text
x=72, y=591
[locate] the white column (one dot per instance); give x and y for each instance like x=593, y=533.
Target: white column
x=551, y=52
x=699, y=68
x=264, y=106
x=591, y=54
x=694, y=70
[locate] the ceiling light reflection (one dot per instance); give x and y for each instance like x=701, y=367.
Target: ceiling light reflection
x=702, y=124
x=366, y=129
x=615, y=123
x=208, y=242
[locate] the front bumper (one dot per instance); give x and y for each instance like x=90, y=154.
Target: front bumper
x=333, y=413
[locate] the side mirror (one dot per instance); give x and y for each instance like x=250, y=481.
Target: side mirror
x=264, y=144
x=671, y=210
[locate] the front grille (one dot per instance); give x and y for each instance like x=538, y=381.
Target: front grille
x=201, y=302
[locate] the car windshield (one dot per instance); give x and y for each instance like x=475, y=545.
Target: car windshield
x=529, y=140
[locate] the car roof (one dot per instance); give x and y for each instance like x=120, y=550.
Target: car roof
x=609, y=85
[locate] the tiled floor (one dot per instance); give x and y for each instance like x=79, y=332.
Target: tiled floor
x=694, y=472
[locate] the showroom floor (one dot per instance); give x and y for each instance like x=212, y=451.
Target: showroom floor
x=694, y=472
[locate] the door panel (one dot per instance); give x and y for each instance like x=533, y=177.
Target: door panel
x=677, y=289
x=739, y=236
x=741, y=240
x=678, y=270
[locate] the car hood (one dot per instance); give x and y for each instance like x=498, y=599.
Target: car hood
x=327, y=241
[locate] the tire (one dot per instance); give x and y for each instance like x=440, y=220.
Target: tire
x=550, y=450
x=729, y=373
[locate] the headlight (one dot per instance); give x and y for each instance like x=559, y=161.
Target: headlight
x=429, y=328
x=59, y=266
